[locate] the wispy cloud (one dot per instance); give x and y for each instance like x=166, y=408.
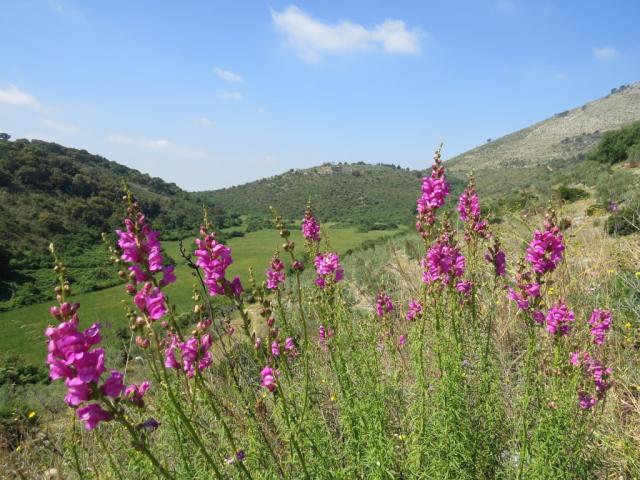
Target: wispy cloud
x=230, y=95
x=202, y=122
x=605, y=53
x=505, y=7
x=312, y=38
x=14, y=96
x=60, y=127
x=227, y=75
x=157, y=144
x=543, y=73
x=63, y=8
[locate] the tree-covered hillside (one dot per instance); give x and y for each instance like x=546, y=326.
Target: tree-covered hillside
x=50, y=193
x=355, y=193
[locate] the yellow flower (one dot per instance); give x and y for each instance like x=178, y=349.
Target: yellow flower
x=610, y=271
x=32, y=414
x=552, y=291
x=628, y=324
x=333, y=398
x=638, y=274
x=18, y=448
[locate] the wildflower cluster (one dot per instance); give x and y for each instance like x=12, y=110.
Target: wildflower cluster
x=310, y=227
x=469, y=210
x=141, y=250
x=496, y=256
x=415, y=310
x=600, y=322
x=559, y=319
x=384, y=305
x=598, y=373
x=328, y=269
x=546, y=249
x=443, y=262
x=194, y=353
x=275, y=274
x=72, y=358
x=435, y=190
x=214, y=258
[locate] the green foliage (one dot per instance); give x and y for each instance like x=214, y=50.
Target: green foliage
x=571, y=194
x=353, y=193
x=625, y=221
x=618, y=145
x=69, y=196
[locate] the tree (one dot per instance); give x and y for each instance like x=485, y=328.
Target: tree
x=4, y=137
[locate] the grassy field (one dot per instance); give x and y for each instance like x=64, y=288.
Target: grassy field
x=23, y=328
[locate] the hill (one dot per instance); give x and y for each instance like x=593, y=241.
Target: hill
x=50, y=193
x=565, y=135
x=353, y=193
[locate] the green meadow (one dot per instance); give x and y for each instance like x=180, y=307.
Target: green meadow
x=23, y=328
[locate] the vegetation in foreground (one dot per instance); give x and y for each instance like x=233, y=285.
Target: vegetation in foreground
x=484, y=366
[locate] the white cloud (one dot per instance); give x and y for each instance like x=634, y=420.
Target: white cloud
x=63, y=8
x=202, y=122
x=14, y=96
x=313, y=38
x=505, y=6
x=60, y=127
x=230, y=95
x=227, y=75
x=605, y=53
x=158, y=144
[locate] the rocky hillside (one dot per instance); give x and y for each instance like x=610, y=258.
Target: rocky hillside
x=566, y=135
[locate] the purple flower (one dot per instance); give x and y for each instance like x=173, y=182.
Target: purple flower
x=545, y=250
x=559, y=319
x=268, y=376
x=443, y=262
x=275, y=349
x=151, y=301
x=214, y=258
x=92, y=415
x=384, y=305
x=464, y=287
x=328, y=269
x=77, y=392
x=275, y=274
x=586, y=401
x=310, y=227
x=113, y=386
x=402, y=340
x=415, y=310
x=135, y=393
x=600, y=322
x=519, y=298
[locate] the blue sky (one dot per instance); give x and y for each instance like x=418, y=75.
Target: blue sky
x=212, y=94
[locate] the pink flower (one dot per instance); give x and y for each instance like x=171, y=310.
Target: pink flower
x=275, y=349
x=586, y=401
x=113, y=386
x=328, y=269
x=521, y=300
x=151, y=301
x=92, y=415
x=402, y=340
x=268, y=376
x=214, y=258
x=310, y=227
x=559, y=319
x=600, y=322
x=415, y=310
x=77, y=392
x=545, y=250
x=135, y=393
x=324, y=334
x=275, y=274
x=464, y=287
x=443, y=262
x=384, y=305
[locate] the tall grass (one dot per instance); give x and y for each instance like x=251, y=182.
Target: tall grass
x=324, y=378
